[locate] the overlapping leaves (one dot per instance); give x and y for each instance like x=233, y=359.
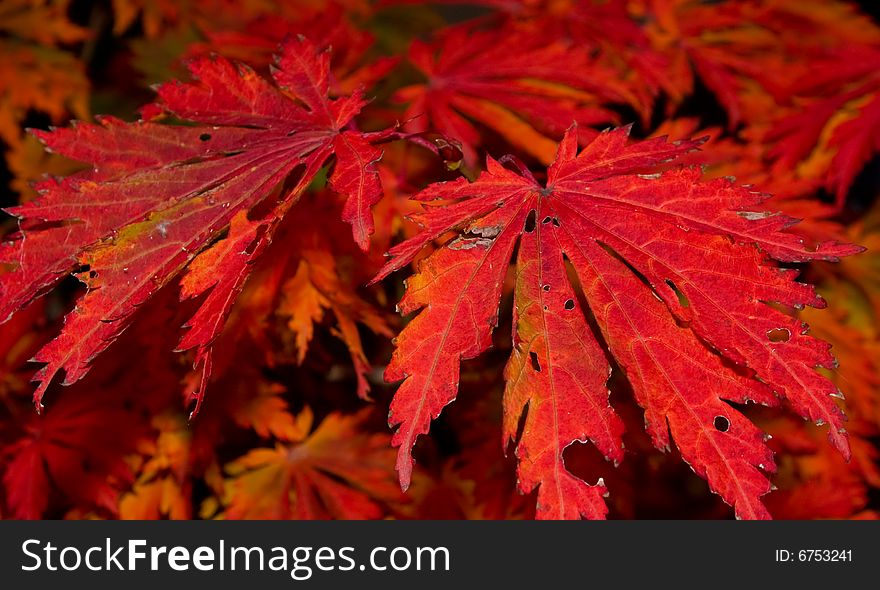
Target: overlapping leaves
x=622, y=262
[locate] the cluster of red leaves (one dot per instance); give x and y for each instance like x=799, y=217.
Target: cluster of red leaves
x=582, y=189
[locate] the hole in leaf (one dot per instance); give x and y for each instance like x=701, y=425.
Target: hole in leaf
x=721, y=424
x=546, y=220
x=546, y=288
x=535, y=364
x=205, y=136
x=569, y=304
x=555, y=221
x=531, y=221
x=583, y=460
x=642, y=278
x=778, y=335
x=682, y=300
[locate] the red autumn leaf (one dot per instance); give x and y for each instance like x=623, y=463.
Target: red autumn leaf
x=524, y=87
x=609, y=29
x=77, y=451
x=676, y=273
x=670, y=44
x=839, y=123
x=255, y=42
x=727, y=47
x=158, y=195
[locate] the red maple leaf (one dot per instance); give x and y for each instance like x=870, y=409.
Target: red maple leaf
x=158, y=195
x=606, y=28
x=525, y=87
x=77, y=451
x=840, y=116
x=255, y=42
x=677, y=275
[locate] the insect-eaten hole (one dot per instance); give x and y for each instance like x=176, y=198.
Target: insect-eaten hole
x=721, y=424
x=546, y=288
x=552, y=220
x=779, y=335
x=531, y=221
x=569, y=304
x=205, y=136
x=682, y=300
x=533, y=356
x=86, y=269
